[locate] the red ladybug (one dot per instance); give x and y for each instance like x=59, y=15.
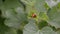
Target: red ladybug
x=33, y=15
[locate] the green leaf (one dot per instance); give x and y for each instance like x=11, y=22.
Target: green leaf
x=31, y=28
x=52, y=3
x=39, y=9
x=43, y=16
x=15, y=17
x=54, y=17
x=48, y=30
x=4, y=29
x=39, y=5
x=29, y=2
x=11, y=4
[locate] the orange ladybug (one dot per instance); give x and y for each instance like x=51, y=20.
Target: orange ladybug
x=33, y=15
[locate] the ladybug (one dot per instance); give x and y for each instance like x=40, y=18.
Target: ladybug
x=33, y=15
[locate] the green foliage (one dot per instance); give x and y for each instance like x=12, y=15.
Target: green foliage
x=53, y=15
x=16, y=17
